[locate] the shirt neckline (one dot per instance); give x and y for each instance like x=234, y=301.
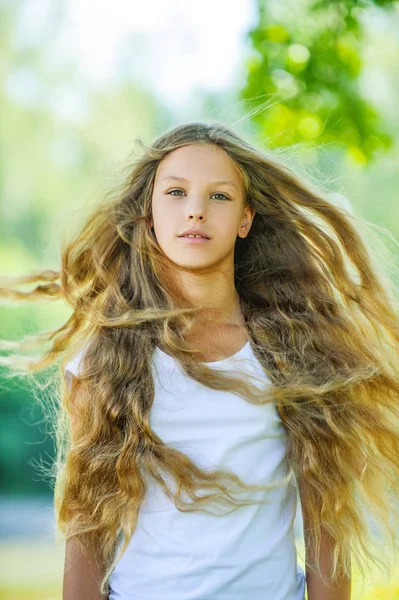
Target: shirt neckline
x=241, y=351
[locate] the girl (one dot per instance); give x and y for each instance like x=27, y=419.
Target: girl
x=205, y=380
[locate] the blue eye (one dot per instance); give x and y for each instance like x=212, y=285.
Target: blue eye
x=216, y=193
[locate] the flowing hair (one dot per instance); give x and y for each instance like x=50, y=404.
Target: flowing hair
x=322, y=320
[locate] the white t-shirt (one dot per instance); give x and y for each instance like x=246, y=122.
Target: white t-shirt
x=249, y=553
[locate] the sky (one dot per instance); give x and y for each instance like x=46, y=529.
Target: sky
x=173, y=47
x=176, y=49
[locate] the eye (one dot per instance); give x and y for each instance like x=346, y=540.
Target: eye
x=220, y=194
x=216, y=193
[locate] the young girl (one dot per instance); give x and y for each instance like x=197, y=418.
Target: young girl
x=209, y=379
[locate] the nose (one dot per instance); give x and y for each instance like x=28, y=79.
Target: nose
x=196, y=212
x=196, y=206
x=196, y=217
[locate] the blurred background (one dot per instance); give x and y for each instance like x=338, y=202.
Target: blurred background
x=314, y=80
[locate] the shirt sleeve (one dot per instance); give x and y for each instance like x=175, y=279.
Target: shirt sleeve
x=341, y=201
x=73, y=367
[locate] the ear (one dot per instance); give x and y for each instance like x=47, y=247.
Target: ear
x=246, y=221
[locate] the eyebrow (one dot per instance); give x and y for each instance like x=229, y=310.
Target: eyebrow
x=213, y=182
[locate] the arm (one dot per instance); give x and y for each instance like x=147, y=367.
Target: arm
x=341, y=589
x=82, y=575
x=82, y=571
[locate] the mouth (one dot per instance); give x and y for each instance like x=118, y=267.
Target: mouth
x=190, y=239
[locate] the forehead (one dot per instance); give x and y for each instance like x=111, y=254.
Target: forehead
x=199, y=163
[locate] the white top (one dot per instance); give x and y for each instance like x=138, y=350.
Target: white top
x=249, y=553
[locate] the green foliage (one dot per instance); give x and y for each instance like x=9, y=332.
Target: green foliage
x=53, y=165
x=24, y=443
x=308, y=62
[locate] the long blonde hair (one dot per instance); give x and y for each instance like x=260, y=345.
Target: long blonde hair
x=322, y=320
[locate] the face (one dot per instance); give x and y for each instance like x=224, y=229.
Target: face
x=199, y=201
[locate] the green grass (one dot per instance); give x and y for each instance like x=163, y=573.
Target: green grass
x=34, y=571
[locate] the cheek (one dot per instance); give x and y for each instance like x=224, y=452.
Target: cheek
x=163, y=227
x=157, y=219
x=231, y=224
x=163, y=206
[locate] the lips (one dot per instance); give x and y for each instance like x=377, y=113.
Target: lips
x=196, y=232
x=191, y=240
x=194, y=236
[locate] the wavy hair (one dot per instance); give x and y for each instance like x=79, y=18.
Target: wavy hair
x=322, y=318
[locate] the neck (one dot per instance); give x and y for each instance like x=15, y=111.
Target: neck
x=216, y=295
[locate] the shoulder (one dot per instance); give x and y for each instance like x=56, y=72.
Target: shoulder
x=74, y=366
